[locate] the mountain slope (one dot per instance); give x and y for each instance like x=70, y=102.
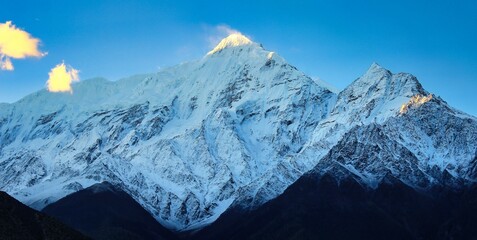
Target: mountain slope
x=405, y=116
x=428, y=145
x=185, y=142
x=103, y=211
x=373, y=98
x=18, y=221
x=408, y=176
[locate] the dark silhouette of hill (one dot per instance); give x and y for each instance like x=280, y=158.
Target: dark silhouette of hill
x=104, y=211
x=17, y=221
x=320, y=207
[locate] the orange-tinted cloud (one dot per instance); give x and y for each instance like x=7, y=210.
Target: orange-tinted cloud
x=61, y=77
x=16, y=43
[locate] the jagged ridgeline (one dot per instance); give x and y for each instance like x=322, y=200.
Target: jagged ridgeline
x=234, y=128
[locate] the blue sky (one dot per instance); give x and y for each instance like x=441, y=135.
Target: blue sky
x=333, y=40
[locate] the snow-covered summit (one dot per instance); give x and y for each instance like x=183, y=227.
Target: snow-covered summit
x=379, y=80
x=233, y=40
x=376, y=68
x=379, y=93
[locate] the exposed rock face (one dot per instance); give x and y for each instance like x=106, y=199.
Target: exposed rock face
x=236, y=127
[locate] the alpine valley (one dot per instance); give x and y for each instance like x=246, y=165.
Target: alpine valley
x=243, y=134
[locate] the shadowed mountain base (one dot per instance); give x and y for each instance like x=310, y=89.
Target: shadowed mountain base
x=103, y=211
x=321, y=208
x=18, y=221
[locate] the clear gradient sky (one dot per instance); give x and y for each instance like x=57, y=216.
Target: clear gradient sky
x=333, y=40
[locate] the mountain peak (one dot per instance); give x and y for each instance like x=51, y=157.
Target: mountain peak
x=376, y=68
x=233, y=40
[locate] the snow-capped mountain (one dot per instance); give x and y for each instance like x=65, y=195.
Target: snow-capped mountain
x=235, y=127
x=388, y=124
x=182, y=142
